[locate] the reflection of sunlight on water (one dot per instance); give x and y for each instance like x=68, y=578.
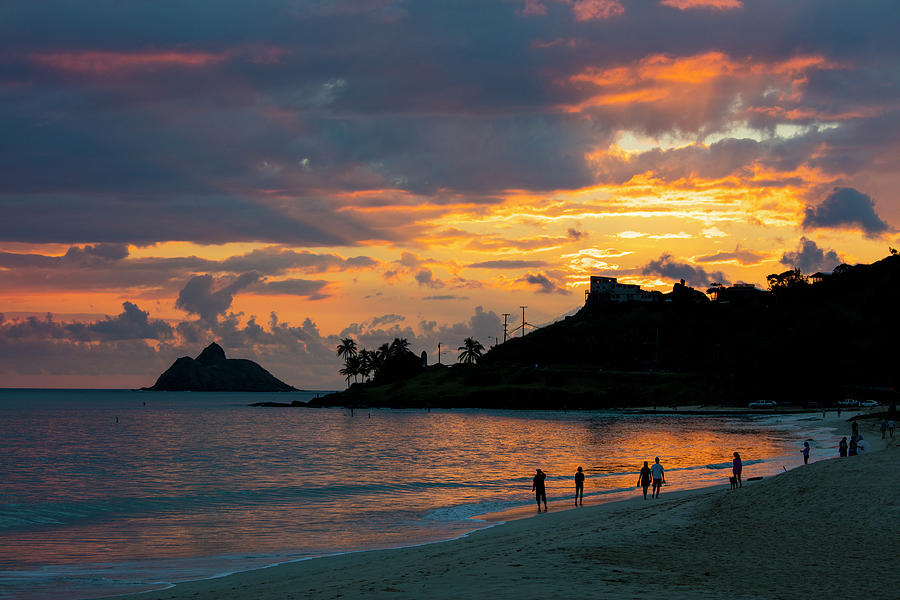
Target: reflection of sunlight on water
x=193, y=475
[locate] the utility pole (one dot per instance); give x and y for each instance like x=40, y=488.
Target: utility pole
x=439, y=353
x=505, y=316
x=523, y=319
x=524, y=323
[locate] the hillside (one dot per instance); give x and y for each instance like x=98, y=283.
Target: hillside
x=802, y=343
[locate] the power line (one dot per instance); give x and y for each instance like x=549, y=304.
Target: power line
x=524, y=323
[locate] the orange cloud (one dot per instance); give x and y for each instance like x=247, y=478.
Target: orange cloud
x=102, y=62
x=661, y=77
x=712, y=4
x=587, y=10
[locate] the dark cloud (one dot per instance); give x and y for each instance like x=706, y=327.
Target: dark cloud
x=131, y=324
x=203, y=129
x=312, y=289
x=446, y=297
x=544, y=284
x=508, y=264
x=809, y=258
x=426, y=277
x=102, y=267
x=203, y=295
x=576, y=235
x=668, y=268
x=846, y=207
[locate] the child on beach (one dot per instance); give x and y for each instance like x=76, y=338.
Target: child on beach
x=659, y=477
x=537, y=486
x=644, y=478
x=579, y=486
x=805, y=453
x=736, y=468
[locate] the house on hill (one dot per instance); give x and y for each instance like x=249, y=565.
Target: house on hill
x=608, y=289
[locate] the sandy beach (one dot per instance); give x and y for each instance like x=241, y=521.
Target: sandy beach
x=827, y=529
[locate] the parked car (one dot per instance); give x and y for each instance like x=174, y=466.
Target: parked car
x=848, y=402
x=868, y=403
x=763, y=404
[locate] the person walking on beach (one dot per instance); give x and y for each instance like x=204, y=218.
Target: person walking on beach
x=537, y=486
x=579, y=487
x=884, y=427
x=659, y=477
x=805, y=453
x=644, y=478
x=736, y=468
x=891, y=427
x=842, y=446
x=853, y=447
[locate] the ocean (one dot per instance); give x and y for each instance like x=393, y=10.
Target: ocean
x=105, y=492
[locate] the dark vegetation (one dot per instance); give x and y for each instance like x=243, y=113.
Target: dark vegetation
x=801, y=343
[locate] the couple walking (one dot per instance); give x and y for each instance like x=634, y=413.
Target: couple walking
x=656, y=474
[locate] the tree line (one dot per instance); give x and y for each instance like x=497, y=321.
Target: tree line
x=393, y=361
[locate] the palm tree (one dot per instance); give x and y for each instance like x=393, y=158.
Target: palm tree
x=366, y=363
x=351, y=368
x=399, y=346
x=470, y=351
x=347, y=347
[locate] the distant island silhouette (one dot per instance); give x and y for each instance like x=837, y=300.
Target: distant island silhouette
x=211, y=371
x=807, y=341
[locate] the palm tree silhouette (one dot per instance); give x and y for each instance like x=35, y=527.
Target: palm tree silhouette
x=470, y=351
x=346, y=348
x=351, y=368
x=399, y=346
x=366, y=363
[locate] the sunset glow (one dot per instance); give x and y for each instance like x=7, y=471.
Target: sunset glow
x=381, y=169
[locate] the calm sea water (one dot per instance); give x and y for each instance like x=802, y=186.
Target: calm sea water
x=105, y=492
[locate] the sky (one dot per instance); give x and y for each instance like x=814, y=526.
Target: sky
x=279, y=174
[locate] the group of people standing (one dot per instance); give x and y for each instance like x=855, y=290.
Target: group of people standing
x=649, y=475
x=857, y=444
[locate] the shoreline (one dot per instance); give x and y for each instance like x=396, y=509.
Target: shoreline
x=388, y=572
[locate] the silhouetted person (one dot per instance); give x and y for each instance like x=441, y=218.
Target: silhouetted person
x=884, y=427
x=579, y=487
x=537, y=486
x=736, y=467
x=839, y=411
x=659, y=477
x=891, y=427
x=805, y=453
x=842, y=446
x=862, y=446
x=853, y=446
x=644, y=478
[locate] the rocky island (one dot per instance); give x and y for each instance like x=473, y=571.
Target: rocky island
x=213, y=372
